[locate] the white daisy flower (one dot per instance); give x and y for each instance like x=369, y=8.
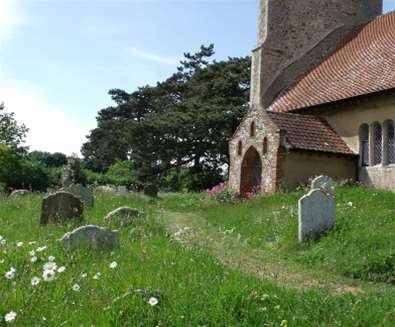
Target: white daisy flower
x=10, y=316
x=32, y=242
x=41, y=248
x=19, y=244
x=61, y=269
x=3, y=242
x=10, y=274
x=33, y=259
x=76, y=288
x=51, y=258
x=84, y=275
x=48, y=275
x=35, y=281
x=32, y=253
x=50, y=266
x=113, y=265
x=153, y=301
x=97, y=276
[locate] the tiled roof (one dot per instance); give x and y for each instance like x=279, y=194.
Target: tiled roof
x=311, y=133
x=364, y=63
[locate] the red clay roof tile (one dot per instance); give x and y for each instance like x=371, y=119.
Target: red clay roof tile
x=311, y=133
x=364, y=63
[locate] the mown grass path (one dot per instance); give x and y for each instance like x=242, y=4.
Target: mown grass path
x=233, y=251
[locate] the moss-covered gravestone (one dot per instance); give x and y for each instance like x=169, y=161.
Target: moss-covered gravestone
x=151, y=190
x=60, y=208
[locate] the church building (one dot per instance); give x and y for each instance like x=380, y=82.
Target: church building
x=322, y=97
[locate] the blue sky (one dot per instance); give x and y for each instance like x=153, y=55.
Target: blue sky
x=58, y=59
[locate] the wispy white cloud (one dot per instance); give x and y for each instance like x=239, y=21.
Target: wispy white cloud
x=154, y=57
x=11, y=17
x=51, y=129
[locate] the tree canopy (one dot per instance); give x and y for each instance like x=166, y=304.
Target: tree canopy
x=184, y=122
x=12, y=134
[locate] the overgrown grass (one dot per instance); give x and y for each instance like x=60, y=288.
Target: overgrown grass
x=192, y=287
x=362, y=245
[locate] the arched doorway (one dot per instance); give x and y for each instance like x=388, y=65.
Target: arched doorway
x=251, y=172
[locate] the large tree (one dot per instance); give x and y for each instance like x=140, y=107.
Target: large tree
x=185, y=121
x=12, y=134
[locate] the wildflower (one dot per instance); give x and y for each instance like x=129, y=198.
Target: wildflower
x=32, y=253
x=19, y=244
x=3, y=241
x=32, y=242
x=97, y=276
x=33, y=259
x=41, y=248
x=48, y=275
x=153, y=301
x=51, y=258
x=113, y=265
x=84, y=275
x=61, y=269
x=350, y=204
x=76, y=288
x=35, y=281
x=50, y=266
x=10, y=274
x=10, y=316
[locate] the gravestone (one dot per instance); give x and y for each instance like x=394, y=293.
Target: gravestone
x=20, y=193
x=105, y=188
x=325, y=183
x=122, y=190
x=81, y=192
x=316, y=214
x=61, y=207
x=123, y=216
x=91, y=236
x=151, y=190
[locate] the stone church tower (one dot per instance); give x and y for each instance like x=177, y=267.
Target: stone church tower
x=295, y=35
x=272, y=150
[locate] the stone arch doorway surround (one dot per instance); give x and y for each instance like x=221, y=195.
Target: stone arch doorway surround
x=251, y=172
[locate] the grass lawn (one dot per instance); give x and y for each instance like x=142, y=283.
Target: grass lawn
x=183, y=254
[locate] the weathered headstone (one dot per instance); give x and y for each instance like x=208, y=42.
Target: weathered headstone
x=122, y=190
x=91, y=236
x=20, y=193
x=122, y=216
x=61, y=207
x=151, y=190
x=67, y=176
x=316, y=214
x=325, y=183
x=81, y=192
x=105, y=188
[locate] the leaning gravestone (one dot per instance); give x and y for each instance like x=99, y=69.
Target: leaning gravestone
x=316, y=214
x=123, y=216
x=151, y=190
x=91, y=236
x=325, y=183
x=61, y=207
x=81, y=192
x=122, y=190
x=20, y=193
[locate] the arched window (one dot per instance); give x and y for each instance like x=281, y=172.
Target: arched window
x=264, y=146
x=391, y=142
x=240, y=148
x=378, y=143
x=252, y=129
x=364, y=144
